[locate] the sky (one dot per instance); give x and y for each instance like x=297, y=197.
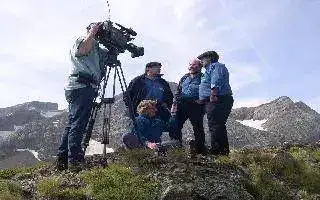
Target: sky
x=271, y=48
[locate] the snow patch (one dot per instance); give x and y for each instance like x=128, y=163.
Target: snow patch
x=5, y=134
x=55, y=123
x=49, y=114
x=96, y=147
x=32, y=108
x=257, y=124
x=17, y=127
x=35, y=154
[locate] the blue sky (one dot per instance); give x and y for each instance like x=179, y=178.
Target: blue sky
x=270, y=47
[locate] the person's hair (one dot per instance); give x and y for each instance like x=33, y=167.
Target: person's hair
x=145, y=105
x=153, y=64
x=214, y=57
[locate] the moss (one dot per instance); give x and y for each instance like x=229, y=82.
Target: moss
x=117, y=182
x=176, y=155
x=144, y=159
x=266, y=187
x=11, y=172
x=305, y=175
x=51, y=188
x=10, y=190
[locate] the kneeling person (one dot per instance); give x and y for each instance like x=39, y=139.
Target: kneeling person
x=148, y=130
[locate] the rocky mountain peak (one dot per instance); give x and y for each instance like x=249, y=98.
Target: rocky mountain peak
x=279, y=102
x=39, y=106
x=33, y=105
x=18, y=115
x=283, y=99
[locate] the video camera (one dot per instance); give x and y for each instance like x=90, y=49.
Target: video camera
x=116, y=38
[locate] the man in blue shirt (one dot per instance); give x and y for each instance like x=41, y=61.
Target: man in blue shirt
x=150, y=86
x=80, y=91
x=186, y=106
x=216, y=93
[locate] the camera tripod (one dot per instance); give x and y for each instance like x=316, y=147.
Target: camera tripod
x=115, y=67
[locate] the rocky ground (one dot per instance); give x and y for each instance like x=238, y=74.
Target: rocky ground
x=282, y=173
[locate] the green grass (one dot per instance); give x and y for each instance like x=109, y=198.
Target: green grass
x=117, y=182
x=10, y=190
x=143, y=159
x=52, y=188
x=273, y=172
x=11, y=172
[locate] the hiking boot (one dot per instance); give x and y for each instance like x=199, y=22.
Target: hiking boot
x=218, y=153
x=213, y=151
x=192, y=147
x=61, y=164
x=203, y=151
x=75, y=167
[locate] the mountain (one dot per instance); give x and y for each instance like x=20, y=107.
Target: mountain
x=16, y=122
x=12, y=118
x=280, y=122
x=33, y=105
x=285, y=120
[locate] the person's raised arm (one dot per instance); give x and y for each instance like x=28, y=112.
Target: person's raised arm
x=86, y=45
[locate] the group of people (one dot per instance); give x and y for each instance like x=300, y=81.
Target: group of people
x=155, y=107
x=158, y=110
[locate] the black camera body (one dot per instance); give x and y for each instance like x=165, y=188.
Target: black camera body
x=116, y=38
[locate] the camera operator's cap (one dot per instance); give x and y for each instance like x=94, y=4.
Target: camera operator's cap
x=153, y=64
x=210, y=54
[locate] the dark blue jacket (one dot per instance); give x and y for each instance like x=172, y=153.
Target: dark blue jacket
x=137, y=91
x=150, y=129
x=178, y=96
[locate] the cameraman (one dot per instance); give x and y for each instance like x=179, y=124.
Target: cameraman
x=80, y=91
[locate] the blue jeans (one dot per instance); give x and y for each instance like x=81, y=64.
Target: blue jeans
x=80, y=105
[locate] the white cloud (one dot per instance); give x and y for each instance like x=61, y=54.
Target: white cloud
x=242, y=74
x=172, y=32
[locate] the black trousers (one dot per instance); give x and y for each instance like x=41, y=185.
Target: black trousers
x=217, y=114
x=194, y=112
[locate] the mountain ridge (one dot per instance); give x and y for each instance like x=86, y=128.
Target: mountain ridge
x=286, y=122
